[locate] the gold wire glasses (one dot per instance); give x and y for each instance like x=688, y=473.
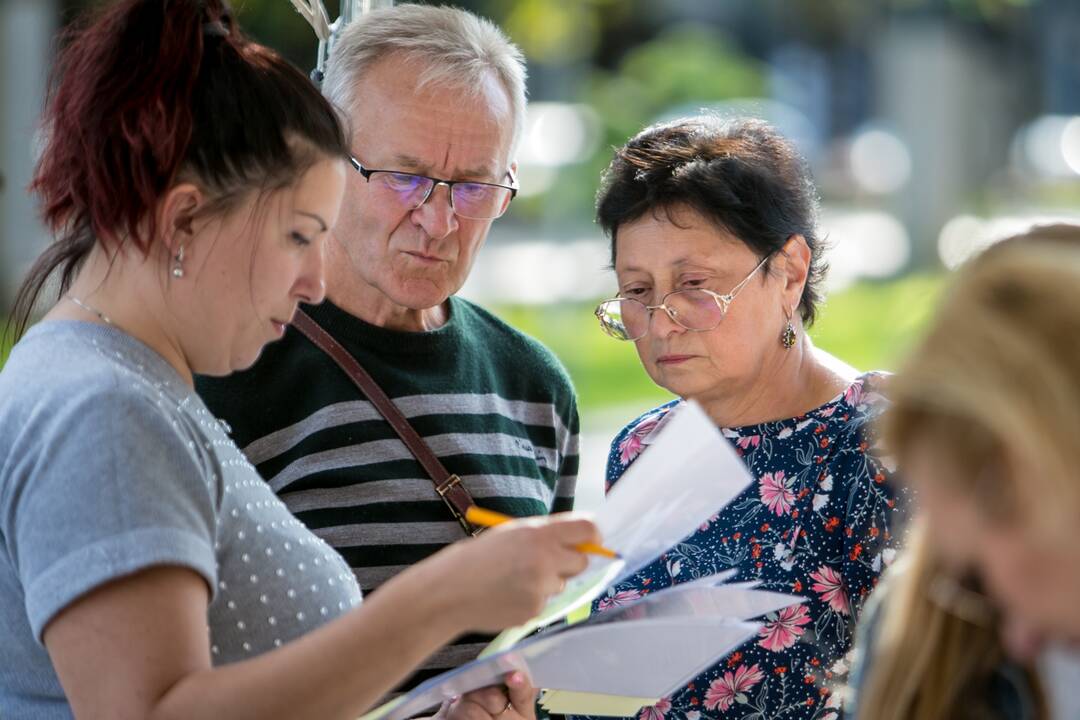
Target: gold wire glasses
x=696, y=309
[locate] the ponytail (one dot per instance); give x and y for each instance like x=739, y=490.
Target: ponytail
x=150, y=90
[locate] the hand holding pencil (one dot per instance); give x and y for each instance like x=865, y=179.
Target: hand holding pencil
x=505, y=577
x=490, y=518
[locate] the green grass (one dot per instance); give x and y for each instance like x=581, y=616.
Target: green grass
x=869, y=325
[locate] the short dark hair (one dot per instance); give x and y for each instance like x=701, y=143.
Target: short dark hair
x=740, y=174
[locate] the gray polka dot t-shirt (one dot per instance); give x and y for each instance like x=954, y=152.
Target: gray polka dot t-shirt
x=110, y=464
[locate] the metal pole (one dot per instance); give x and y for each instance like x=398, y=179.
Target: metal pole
x=26, y=29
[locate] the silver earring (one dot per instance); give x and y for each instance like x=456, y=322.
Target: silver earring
x=178, y=263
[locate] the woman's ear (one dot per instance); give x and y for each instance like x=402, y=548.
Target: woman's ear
x=176, y=214
x=794, y=269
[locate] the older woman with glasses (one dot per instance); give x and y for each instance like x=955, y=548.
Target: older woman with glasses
x=719, y=267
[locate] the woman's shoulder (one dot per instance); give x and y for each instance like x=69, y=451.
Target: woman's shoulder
x=66, y=386
x=52, y=368
x=852, y=414
x=635, y=436
x=869, y=389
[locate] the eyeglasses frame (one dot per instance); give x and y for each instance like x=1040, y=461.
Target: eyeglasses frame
x=435, y=182
x=723, y=302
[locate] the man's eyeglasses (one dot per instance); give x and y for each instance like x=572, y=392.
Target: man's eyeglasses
x=468, y=199
x=697, y=309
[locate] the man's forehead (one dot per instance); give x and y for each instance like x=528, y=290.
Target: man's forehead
x=405, y=161
x=437, y=126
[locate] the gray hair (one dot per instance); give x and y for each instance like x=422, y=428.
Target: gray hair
x=450, y=45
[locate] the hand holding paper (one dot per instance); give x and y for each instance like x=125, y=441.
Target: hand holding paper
x=684, y=478
x=504, y=576
x=488, y=518
x=648, y=648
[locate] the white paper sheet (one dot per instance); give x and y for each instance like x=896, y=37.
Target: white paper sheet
x=686, y=475
x=644, y=658
x=683, y=477
x=647, y=649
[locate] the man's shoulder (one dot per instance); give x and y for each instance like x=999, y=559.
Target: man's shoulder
x=275, y=365
x=508, y=345
x=272, y=393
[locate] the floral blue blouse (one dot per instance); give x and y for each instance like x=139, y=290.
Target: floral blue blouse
x=819, y=522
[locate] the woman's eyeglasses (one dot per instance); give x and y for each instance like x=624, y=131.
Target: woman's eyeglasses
x=696, y=309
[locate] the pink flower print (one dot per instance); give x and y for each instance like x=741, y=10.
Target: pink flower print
x=632, y=445
x=785, y=631
x=622, y=597
x=749, y=441
x=830, y=588
x=853, y=395
x=657, y=711
x=724, y=691
x=705, y=525
x=776, y=493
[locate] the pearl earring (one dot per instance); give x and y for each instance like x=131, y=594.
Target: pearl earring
x=178, y=263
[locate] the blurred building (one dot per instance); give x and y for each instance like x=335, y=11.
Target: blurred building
x=917, y=116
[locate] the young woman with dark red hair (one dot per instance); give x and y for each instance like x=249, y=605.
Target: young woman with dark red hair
x=190, y=177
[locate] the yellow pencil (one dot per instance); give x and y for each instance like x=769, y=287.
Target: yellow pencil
x=490, y=518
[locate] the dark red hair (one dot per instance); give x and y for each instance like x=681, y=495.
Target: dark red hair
x=150, y=90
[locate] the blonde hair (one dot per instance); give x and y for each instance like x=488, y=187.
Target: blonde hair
x=994, y=390
x=995, y=385
x=927, y=662
x=448, y=46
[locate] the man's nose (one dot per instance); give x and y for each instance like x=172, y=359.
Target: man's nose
x=436, y=215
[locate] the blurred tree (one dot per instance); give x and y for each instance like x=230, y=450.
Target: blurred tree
x=683, y=65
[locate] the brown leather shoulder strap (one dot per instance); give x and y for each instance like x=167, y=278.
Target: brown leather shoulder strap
x=447, y=485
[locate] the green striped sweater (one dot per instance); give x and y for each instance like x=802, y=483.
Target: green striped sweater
x=495, y=406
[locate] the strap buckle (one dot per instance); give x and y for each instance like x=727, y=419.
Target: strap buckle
x=443, y=489
x=469, y=528
x=447, y=485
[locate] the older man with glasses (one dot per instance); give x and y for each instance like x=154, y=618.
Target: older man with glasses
x=435, y=99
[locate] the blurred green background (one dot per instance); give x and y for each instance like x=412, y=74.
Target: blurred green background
x=933, y=128
x=869, y=325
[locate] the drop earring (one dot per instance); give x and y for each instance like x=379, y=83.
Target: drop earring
x=178, y=263
x=787, y=338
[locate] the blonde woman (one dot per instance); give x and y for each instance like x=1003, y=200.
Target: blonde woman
x=953, y=666
x=986, y=421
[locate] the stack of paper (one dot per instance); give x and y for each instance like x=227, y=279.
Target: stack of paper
x=643, y=650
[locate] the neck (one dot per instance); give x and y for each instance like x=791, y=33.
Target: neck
x=128, y=290
x=790, y=384
x=374, y=307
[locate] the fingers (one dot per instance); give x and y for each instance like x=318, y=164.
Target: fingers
x=522, y=695
x=466, y=709
x=572, y=529
x=516, y=701
x=492, y=700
